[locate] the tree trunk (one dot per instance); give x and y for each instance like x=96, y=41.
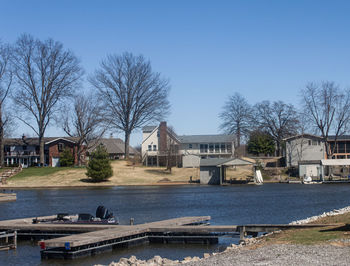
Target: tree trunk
x=79, y=151
x=127, y=140
x=41, y=151
x=1, y=140
x=238, y=137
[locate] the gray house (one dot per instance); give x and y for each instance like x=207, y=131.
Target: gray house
x=304, y=147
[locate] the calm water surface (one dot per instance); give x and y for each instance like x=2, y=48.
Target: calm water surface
x=240, y=204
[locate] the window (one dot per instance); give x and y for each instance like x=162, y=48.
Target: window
x=190, y=146
x=24, y=147
x=223, y=148
x=341, y=147
x=60, y=146
x=211, y=148
x=229, y=148
x=309, y=142
x=154, y=147
x=149, y=147
x=217, y=148
x=314, y=142
x=203, y=148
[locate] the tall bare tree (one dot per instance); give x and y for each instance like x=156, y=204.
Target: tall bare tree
x=278, y=119
x=5, y=85
x=132, y=93
x=84, y=121
x=236, y=117
x=327, y=107
x=45, y=74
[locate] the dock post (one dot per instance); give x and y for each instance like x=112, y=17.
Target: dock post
x=242, y=234
x=131, y=221
x=15, y=239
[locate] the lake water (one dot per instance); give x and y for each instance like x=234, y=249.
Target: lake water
x=238, y=204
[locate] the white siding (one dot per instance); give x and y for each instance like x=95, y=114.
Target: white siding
x=300, y=150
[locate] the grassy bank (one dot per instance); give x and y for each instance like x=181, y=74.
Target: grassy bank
x=123, y=174
x=335, y=235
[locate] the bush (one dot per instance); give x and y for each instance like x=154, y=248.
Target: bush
x=66, y=158
x=99, y=167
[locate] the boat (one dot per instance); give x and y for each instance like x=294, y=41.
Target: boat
x=103, y=216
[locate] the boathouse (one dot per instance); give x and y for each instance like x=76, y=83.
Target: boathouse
x=213, y=170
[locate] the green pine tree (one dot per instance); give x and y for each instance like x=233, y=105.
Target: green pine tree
x=260, y=142
x=99, y=168
x=66, y=158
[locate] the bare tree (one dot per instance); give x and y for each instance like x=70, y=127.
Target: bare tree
x=132, y=93
x=236, y=117
x=278, y=119
x=5, y=85
x=327, y=107
x=172, y=149
x=45, y=74
x=85, y=122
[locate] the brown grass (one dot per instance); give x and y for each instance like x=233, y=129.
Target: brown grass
x=124, y=173
x=333, y=235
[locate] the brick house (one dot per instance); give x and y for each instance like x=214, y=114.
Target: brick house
x=25, y=151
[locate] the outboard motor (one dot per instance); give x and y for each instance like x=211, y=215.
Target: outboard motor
x=103, y=213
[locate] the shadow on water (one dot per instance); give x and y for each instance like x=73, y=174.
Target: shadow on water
x=237, y=204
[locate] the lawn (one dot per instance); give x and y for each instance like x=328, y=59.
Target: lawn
x=123, y=174
x=38, y=171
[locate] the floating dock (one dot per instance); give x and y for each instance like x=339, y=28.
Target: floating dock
x=8, y=197
x=69, y=241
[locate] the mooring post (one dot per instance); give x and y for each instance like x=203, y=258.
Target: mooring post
x=131, y=221
x=15, y=239
x=242, y=233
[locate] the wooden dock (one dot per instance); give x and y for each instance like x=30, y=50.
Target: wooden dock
x=75, y=240
x=8, y=240
x=8, y=197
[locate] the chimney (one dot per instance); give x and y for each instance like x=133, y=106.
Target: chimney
x=162, y=136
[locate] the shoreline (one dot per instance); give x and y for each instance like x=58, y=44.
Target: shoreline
x=171, y=183
x=251, y=245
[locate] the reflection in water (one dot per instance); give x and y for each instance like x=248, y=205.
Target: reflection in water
x=240, y=204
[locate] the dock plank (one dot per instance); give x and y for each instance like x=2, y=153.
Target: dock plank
x=121, y=231
x=4, y=197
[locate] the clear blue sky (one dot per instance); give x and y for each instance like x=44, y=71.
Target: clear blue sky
x=265, y=50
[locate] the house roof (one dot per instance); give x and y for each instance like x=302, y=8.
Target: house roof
x=205, y=138
x=334, y=162
x=344, y=137
x=224, y=161
x=302, y=136
x=35, y=141
x=113, y=146
x=148, y=129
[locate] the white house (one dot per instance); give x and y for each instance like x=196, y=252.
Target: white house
x=187, y=149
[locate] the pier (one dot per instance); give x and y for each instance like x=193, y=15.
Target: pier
x=7, y=197
x=69, y=241
x=8, y=240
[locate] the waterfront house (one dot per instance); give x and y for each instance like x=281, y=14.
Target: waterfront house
x=115, y=148
x=160, y=142
x=305, y=147
x=25, y=151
